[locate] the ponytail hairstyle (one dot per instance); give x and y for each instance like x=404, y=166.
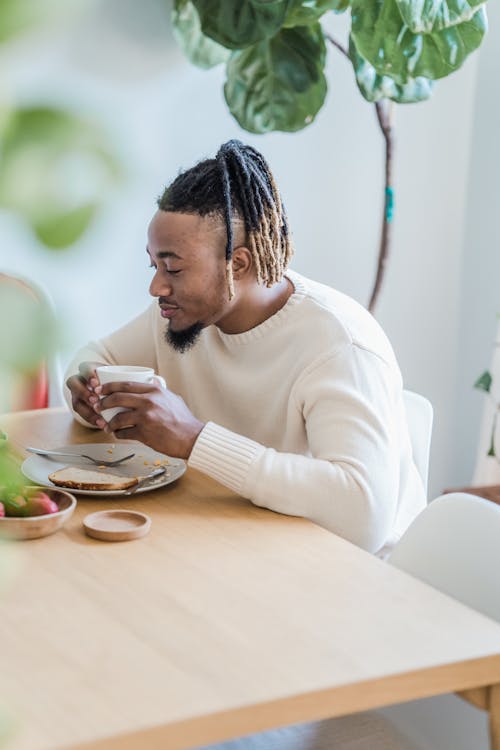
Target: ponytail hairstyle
x=238, y=184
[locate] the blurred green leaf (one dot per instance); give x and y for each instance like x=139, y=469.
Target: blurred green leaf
x=6, y=727
x=61, y=230
x=375, y=87
x=240, y=24
x=19, y=15
x=278, y=84
x=9, y=566
x=11, y=477
x=12, y=482
x=198, y=48
x=306, y=12
x=427, y=16
x=483, y=383
x=385, y=41
x=54, y=168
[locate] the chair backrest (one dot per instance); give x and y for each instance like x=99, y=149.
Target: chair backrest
x=419, y=414
x=454, y=546
x=39, y=385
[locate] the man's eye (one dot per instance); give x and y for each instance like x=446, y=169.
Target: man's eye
x=172, y=273
x=151, y=265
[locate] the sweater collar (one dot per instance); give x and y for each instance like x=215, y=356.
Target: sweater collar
x=236, y=339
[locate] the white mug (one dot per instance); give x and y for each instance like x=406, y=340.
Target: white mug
x=125, y=374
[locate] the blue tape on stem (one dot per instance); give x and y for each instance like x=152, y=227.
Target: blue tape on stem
x=389, y=204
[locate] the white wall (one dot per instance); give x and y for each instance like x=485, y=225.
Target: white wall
x=118, y=60
x=480, y=287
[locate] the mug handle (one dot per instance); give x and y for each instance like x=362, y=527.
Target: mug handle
x=160, y=380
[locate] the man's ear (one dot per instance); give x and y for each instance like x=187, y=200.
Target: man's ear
x=242, y=262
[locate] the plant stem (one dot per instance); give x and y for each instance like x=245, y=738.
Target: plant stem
x=384, y=116
x=384, y=113
x=337, y=45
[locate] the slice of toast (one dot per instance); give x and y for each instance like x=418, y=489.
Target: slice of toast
x=84, y=479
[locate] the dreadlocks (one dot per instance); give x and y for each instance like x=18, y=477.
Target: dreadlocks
x=238, y=184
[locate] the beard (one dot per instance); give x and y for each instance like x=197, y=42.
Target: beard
x=185, y=339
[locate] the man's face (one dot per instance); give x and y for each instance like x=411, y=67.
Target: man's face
x=188, y=255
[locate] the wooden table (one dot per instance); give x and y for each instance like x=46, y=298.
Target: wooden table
x=225, y=620
x=489, y=492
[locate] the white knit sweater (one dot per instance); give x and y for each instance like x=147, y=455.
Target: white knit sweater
x=304, y=413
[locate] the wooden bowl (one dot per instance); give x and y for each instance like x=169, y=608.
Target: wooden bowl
x=33, y=527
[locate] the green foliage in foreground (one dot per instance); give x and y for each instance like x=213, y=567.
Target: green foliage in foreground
x=55, y=171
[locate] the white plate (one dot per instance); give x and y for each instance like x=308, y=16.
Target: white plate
x=38, y=468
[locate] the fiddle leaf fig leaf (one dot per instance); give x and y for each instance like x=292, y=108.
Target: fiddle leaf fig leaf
x=306, y=12
x=341, y=6
x=278, y=84
x=427, y=16
x=374, y=86
x=241, y=24
x=198, y=48
x=385, y=41
x=483, y=383
x=55, y=171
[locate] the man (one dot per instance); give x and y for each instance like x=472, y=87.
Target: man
x=282, y=389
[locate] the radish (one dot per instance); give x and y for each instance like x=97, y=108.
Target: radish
x=40, y=505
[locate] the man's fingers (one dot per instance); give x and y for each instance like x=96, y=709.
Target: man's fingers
x=87, y=372
x=85, y=411
x=77, y=387
x=122, y=421
x=108, y=388
x=128, y=433
x=80, y=391
x=125, y=400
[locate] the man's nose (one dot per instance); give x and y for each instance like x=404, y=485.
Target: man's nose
x=160, y=287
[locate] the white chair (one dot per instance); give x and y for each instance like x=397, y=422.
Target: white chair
x=454, y=546
x=419, y=414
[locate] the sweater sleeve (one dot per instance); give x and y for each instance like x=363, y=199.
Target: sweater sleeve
x=349, y=483
x=132, y=344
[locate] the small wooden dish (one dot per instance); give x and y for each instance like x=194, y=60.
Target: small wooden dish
x=116, y=525
x=33, y=527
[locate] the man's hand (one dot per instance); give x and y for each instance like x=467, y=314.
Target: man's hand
x=155, y=416
x=82, y=387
